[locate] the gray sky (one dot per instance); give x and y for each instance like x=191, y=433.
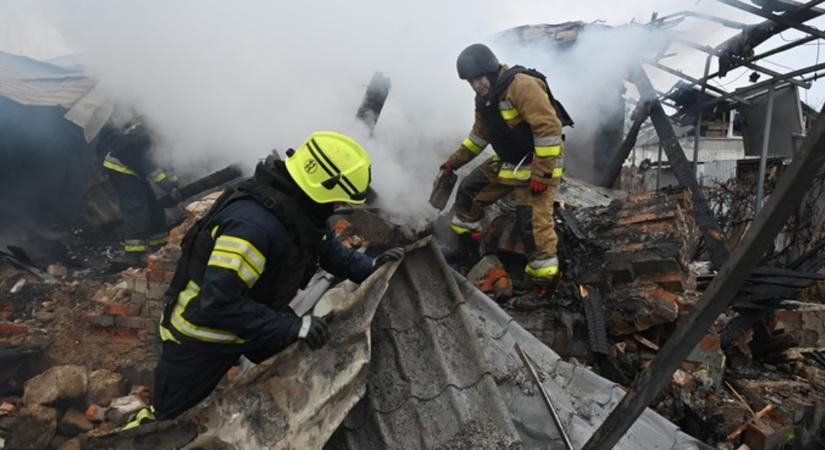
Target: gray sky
x=227, y=81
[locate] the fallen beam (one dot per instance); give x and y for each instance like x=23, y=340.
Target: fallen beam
x=711, y=231
x=769, y=221
x=612, y=171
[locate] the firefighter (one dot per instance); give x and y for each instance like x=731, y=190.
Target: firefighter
x=131, y=170
x=244, y=261
x=516, y=113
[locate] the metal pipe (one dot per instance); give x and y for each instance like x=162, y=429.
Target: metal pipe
x=547, y=401
x=714, y=52
x=708, y=17
x=700, y=106
x=763, y=161
x=759, y=86
x=779, y=19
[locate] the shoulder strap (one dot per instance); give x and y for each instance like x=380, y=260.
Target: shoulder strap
x=507, y=77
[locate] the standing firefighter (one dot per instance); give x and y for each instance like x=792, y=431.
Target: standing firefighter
x=130, y=168
x=516, y=113
x=244, y=261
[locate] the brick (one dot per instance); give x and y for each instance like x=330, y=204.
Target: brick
x=104, y=320
x=9, y=329
x=137, y=299
x=119, y=309
x=95, y=413
x=155, y=276
x=141, y=284
x=135, y=323
x=156, y=291
x=673, y=281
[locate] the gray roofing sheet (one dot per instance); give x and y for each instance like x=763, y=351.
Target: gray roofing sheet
x=428, y=383
x=444, y=374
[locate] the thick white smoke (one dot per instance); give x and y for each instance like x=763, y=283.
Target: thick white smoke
x=228, y=81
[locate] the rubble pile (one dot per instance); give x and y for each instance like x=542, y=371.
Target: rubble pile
x=66, y=401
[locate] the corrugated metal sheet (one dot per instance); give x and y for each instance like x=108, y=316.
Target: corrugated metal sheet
x=429, y=385
x=33, y=83
x=444, y=374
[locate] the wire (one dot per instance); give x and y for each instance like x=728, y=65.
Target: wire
x=721, y=85
x=777, y=64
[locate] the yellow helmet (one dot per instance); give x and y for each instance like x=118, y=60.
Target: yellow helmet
x=331, y=167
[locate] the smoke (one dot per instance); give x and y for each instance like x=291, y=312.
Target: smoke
x=225, y=82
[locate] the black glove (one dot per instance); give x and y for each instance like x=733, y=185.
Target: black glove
x=313, y=330
x=393, y=254
x=175, y=194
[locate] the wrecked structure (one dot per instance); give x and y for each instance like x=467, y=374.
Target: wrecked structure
x=687, y=316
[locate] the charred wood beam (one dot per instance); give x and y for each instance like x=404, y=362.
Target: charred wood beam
x=712, y=233
x=785, y=199
x=712, y=51
x=614, y=168
x=783, y=19
x=738, y=49
x=765, y=85
x=689, y=78
x=374, y=98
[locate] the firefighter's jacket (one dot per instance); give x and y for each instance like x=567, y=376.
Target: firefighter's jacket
x=256, y=259
x=526, y=135
x=130, y=154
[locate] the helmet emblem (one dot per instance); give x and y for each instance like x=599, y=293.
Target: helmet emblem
x=310, y=166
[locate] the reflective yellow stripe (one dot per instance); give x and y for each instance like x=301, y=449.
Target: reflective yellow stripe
x=509, y=114
x=542, y=272
x=157, y=175
x=244, y=248
x=214, y=231
x=508, y=174
x=471, y=146
x=166, y=335
x=558, y=172
x=206, y=334
x=135, y=245
x=548, y=150
x=118, y=167
x=236, y=263
x=458, y=229
x=159, y=239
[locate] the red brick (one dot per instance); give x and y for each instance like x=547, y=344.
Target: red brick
x=8, y=329
x=711, y=342
x=118, y=309
x=155, y=276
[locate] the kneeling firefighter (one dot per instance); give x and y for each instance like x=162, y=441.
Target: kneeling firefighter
x=516, y=113
x=245, y=260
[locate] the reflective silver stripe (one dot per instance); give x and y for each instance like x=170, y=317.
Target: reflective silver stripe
x=244, y=248
x=542, y=263
x=468, y=225
x=506, y=104
x=481, y=143
x=234, y=262
x=546, y=140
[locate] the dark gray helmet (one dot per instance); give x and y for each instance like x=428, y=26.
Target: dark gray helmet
x=475, y=61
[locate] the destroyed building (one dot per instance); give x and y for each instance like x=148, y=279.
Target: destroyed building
x=689, y=315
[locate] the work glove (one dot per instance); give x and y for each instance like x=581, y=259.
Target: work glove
x=537, y=187
x=175, y=194
x=393, y=254
x=312, y=330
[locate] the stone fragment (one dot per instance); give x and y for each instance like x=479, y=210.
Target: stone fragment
x=73, y=423
x=55, y=385
x=105, y=386
x=33, y=428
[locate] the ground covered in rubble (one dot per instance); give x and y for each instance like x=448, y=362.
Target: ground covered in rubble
x=632, y=269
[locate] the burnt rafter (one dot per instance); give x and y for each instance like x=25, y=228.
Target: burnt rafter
x=785, y=199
